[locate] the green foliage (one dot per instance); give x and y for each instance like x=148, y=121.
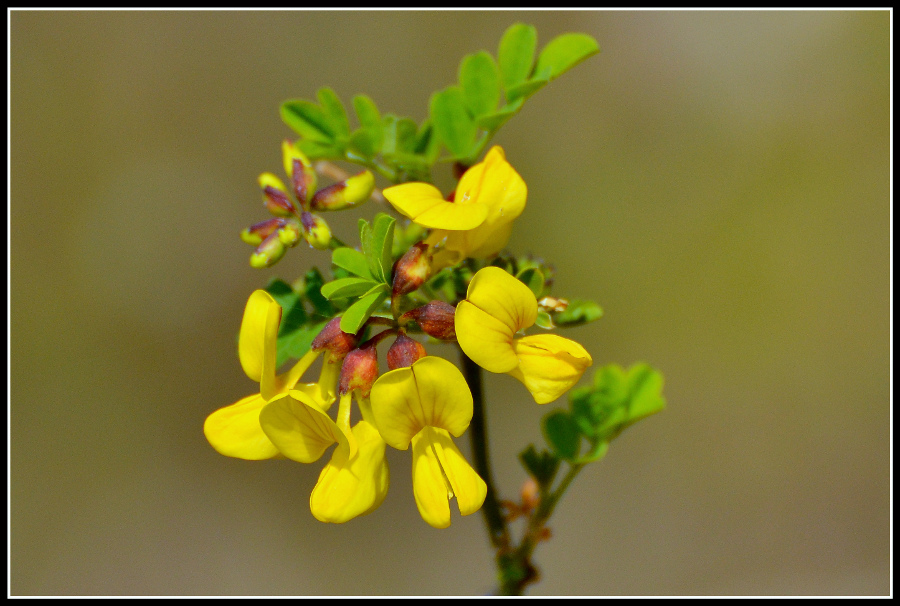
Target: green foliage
x=462, y=118
x=577, y=313
x=364, y=276
x=542, y=466
x=561, y=432
x=599, y=412
x=302, y=316
x=533, y=279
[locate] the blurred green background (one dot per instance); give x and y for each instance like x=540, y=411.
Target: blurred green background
x=719, y=182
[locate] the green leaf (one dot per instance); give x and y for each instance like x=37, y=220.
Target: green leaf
x=352, y=260
x=452, y=122
x=563, y=53
x=347, y=287
x=316, y=150
x=367, y=112
x=562, y=434
x=597, y=452
x=307, y=119
x=541, y=466
x=645, y=385
x=368, y=138
x=480, y=82
x=533, y=279
x=382, y=242
x=312, y=290
x=295, y=344
x=399, y=135
x=544, y=320
x=516, y=54
x=365, y=143
x=283, y=294
x=522, y=91
x=492, y=122
x=334, y=112
x=357, y=314
x=578, y=312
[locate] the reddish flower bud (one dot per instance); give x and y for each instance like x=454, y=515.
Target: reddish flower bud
x=411, y=271
x=277, y=202
x=268, y=253
x=258, y=232
x=332, y=338
x=435, y=320
x=404, y=352
x=289, y=234
x=346, y=194
x=359, y=371
x=303, y=180
x=315, y=230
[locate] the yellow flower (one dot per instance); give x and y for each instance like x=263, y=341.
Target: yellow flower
x=497, y=306
x=424, y=405
x=234, y=430
x=478, y=222
x=355, y=480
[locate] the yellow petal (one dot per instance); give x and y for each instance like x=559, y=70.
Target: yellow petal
x=497, y=185
x=424, y=204
x=496, y=307
x=440, y=472
x=299, y=429
x=549, y=365
x=484, y=338
x=504, y=297
x=432, y=392
x=352, y=486
x=257, y=341
x=234, y=431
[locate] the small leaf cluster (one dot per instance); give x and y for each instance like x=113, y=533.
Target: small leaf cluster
x=465, y=116
x=368, y=272
x=600, y=412
x=462, y=117
x=304, y=313
x=395, y=146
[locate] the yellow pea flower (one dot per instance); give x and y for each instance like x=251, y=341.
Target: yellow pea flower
x=497, y=306
x=355, y=480
x=234, y=430
x=424, y=405
x=478, y=222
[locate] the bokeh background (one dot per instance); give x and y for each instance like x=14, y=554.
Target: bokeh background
x=718, y=181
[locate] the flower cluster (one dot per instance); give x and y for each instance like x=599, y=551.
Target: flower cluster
x=422, y=400
x=292, y=221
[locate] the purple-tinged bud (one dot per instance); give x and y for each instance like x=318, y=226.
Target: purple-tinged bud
x=300, y=171
x=346, y=194
x=411, y=271
x=258, y=232
x=315, y=230
x=459, y=169
x=268, y=253
x=404, y=352
x=435, y=319
x=359, y=371
x=331, y=337
x=289, y=234
x=278, y=203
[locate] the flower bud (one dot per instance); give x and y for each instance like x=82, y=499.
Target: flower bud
x=411, y=271
x=289, y=234
x=275, y=196
x=268, y=253
x=359, y=371
x=332, y=338
x=435, y=319
x=315, y=230
x=301, y=172
x=258, y=232
x=346, y=194
x=404, y=352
